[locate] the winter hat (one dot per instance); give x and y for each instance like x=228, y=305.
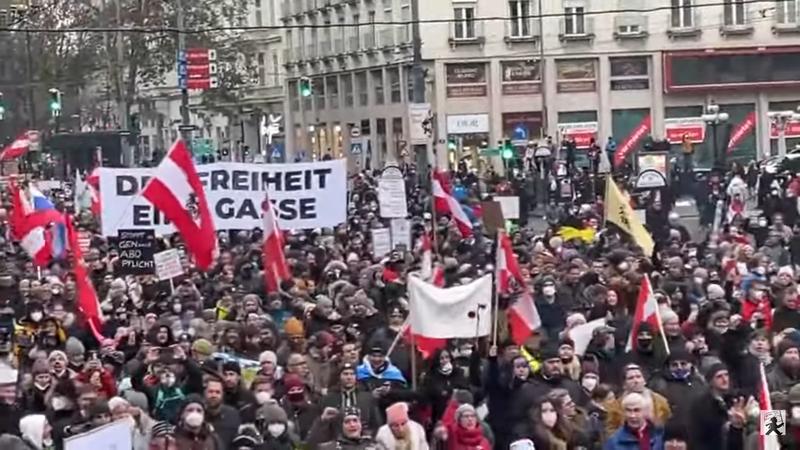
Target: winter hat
x=785, y=345
x=715, y=292
x=191, y=399
x=74, y=347
x=680, y=354
x=31, y=428
x=324, y=302
x=161, y=429
x=203, y=347
x=268, y=356
x=462, y=396
x=549, y=352
x=295, y=359
x=294, y=327
x=245, y=439
x=232, y=366
x=794, y=395
x=55, y=354
x=575, y=319
x=674, y=430
x=714, y=370
x=464, y=409
x=322, y=339
x=40, y=366
x=397, y=413
x=272, y=413
x=137, y=399
x=117, y=402
x=293, y=382
x=8, y=375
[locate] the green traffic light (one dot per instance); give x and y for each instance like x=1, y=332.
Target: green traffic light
x=507, y=153
x=54, y=105
x=451, y=145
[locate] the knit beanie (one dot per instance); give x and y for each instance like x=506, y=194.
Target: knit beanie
x=40, y=366
x=785, y=345
x=74, y=347
x=464, y=409
x=713, y=370
x=272, y=413
x=293, y=327
x=203, y=347
x=397, y=413
x=268, y=356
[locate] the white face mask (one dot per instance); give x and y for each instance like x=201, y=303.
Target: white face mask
x=263, y=397
x=276, y=429
x=36, y=316
x=549, y=291
x=446, y=368
x=194, y=419
x=589, y=383
x=795, y=412
x=549, y=419
x=59, y=403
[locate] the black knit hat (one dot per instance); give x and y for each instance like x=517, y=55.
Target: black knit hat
x=549, y=351
x=674, y=430
x=231, y=366
x=713, y=370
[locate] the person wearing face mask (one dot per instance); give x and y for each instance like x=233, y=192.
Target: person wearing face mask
x=193, y=430
x=440, y=381
x=589, y=380
x=679, y=383
x=34, y=398
x=552, y=314
x=298, y=404
x=544, y=427
x=646, y=354
x=273, y=424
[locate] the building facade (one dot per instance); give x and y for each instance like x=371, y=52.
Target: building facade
x=240, y=127
x=497, y=69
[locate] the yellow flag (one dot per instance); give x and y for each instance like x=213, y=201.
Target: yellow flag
x=620, y=213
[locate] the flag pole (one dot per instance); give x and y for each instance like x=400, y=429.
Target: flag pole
x=413, y=362
x=495, y=296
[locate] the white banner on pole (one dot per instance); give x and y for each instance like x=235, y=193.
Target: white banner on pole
x=168, y=264
x=401, y=233
x=305, y=195
x=381, y=242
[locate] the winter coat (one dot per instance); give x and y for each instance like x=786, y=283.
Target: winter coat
x=779, y=380
x=438, y=388
x=616, y=415
x=460, y=438
x=416, y=437
x=301, y=417
x=503, y=391
x=225, y=423
x=366, y=403
x=708, y=428
x=679, y=393
x=625, y=439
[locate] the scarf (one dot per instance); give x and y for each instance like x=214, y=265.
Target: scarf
x=470, y=437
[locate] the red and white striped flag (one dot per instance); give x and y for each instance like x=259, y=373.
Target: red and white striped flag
x=523, y=318
x=177, y=192
x=646, y=312
x=19, y=147
x=275, y=267
x=432, y=273
x=93, y=185
x=87, y=301
x=447, y=204
x=765, y=404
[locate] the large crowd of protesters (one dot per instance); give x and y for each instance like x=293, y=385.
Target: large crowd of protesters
x=215, y=363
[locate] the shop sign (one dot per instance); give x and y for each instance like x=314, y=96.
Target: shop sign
x=692, y=127
x=468, y=124
x=581, y=132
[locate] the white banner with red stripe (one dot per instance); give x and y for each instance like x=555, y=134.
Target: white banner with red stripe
x=305, y=196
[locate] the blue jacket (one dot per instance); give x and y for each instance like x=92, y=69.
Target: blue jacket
x=623, y=439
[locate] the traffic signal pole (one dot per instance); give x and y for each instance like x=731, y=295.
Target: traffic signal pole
x=185, y=120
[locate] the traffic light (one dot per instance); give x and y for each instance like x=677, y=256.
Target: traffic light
x=506, y=149
x=2, y=107
x=451, y=145
x=306, y=87
x=134, y=125
x=55, y=102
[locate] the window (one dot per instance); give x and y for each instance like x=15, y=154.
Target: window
x=262, y=69
x=405, y=17
x=333, y=91
x=734, y=12
x=786, y=11
x=574, y=21
x=377, y=85
x=629, y=29
x=464, y=22
x=319, y=91
x=409, y=78
x=276, y=70
x=355, y=37
x=369, y=40
x=394, y=85
x=361, y=88
x=576, y=75
x=630, y=73
x=519, y=15
x=682, y=14
x=258, y=13
x=347, y=87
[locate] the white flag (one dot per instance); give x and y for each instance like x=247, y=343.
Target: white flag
x=83, y=197
x=456, y=312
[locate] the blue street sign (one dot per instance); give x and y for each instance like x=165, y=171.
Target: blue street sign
x=520, y=133
x=356, y=148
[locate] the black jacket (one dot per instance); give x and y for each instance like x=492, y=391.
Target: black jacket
x=679, y=393
x=226, y=423
x=366, y=403
x=707, y=425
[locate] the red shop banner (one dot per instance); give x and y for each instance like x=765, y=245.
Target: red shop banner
x=791, y=130
x=581, y=132
x=692, y=127
x=742, y=130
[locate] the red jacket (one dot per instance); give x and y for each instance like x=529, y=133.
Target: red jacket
x=763, y=306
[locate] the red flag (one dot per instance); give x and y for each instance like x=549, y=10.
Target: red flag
x=523, y=318
x=447, y=204
x=275, y=267
x=630, y=142
x=93, y=184
x=646, y=312
x=176, y=191
x=87, y=302
x=19, y=147
x=741, y=131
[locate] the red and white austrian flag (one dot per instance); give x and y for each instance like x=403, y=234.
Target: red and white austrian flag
x=177, y=192
x=19, y=147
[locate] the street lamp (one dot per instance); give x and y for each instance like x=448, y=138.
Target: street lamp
x=713, y=117
x=780, y=120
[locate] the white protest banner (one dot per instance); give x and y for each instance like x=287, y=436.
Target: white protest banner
x=168, y=264
x=392, y=194
x=113, y=436
x=401, y=233
x=466, y=309
x=509, y=206
x=381, y=241
x=305, y=195
x=581, y=335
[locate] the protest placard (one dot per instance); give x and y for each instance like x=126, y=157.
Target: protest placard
x=113, y=436
x=168, y=264
x=136, y=249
